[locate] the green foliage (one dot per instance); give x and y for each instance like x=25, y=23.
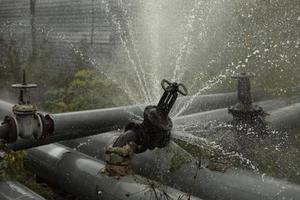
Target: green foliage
x=10, y=62
x=87, y=90
x=12, y=168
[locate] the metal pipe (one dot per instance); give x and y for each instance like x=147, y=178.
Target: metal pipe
x=74, y=125
x=233, y=184
x=80, y=175
x=89, y=120
x=223, y=114
x=10, y=190
x=80, y=124
x=211, y=101
x=286, y=118
x=85, y=123
x=195, y=104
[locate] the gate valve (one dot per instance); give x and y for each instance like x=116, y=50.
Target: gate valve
x=155, y=130
x=26, y=123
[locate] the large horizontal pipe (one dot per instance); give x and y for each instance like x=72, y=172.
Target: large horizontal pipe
x=81, y=176
x=233, y=184
x=12, y=190
x=110, y=116
x=95, y=121
x=66, y=126
x=99, y=120
x=85, y=123
x=224, y=116
x=78, y=120
x=286, y=118
x=74, y=125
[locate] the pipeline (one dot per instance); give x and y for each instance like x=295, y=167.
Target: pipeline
x=79, y=126
x=212, y=101
x=90, y=122
x=103, y=120
x=224, y=116
x=66, y=126
x=233, y=184
x=286, y=118
x=28, y=128
x=221, y=114
x=10, y=190
x=81, y=176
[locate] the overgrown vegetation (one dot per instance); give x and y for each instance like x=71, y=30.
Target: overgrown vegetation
x=87, y=90
x=12, y=168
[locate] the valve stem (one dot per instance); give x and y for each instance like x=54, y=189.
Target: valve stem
x=23, y=87
x=244, y=111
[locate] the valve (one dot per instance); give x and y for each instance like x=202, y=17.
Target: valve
x=28, y=120
x=155, y=130
x=26, y=123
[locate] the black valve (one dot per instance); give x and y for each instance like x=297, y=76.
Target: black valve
x=155, y=130
x=170, y=95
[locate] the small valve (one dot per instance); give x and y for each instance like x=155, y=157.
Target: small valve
x=28, y=121
x=244, y=112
